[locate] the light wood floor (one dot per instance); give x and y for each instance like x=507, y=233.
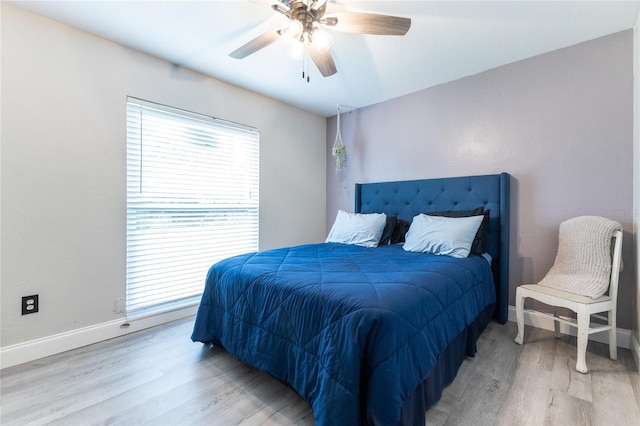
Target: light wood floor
x=159, y=377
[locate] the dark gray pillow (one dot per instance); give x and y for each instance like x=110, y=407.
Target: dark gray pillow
x=385, y=239
x=399, y=231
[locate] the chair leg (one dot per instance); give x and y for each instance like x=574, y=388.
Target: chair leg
x=613, y=337
x=583, y=338
x=556, y=324
x=520, y=316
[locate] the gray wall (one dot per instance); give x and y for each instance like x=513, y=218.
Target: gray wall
x=560, y=123
x=63, y=168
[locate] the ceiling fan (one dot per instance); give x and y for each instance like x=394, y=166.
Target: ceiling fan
x=307, y=21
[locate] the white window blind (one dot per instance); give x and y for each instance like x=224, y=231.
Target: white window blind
x=192, y=200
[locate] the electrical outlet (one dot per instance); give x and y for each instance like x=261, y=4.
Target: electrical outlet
x=29, y=304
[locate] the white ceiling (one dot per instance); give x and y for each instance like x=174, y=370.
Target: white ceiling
x=447, y=40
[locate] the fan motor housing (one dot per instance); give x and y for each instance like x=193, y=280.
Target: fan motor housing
x=305, y=15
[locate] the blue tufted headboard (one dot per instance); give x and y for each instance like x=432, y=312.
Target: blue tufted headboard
x=406, y=199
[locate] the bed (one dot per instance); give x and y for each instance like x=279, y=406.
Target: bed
x=366, y=335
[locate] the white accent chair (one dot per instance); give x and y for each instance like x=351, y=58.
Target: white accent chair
x=583, y=306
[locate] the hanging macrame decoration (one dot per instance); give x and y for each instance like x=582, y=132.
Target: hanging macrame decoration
x=339, y=150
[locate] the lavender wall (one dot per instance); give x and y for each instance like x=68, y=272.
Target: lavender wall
x=561, y=123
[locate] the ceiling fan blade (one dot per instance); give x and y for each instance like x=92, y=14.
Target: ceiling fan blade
x=256, y=44
x=323, y=60
x=367, y=23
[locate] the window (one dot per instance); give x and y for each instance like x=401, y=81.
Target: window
x=192, y=200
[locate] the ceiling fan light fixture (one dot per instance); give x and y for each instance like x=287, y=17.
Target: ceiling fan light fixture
x=297, y=50
x=292, y=32
x=321, y=39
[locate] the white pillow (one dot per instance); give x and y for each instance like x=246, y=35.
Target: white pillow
x=357, y=228
x=450, y=236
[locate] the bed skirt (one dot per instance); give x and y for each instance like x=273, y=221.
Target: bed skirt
x=429, y=392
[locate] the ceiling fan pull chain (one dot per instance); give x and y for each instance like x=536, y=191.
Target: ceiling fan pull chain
x=305, y=64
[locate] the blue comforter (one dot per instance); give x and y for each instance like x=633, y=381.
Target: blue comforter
x=354, y=330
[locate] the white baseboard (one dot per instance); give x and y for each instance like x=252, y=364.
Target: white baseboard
x=635, y=350
x=51, y=345
x=543, y=321
x=57, y=343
